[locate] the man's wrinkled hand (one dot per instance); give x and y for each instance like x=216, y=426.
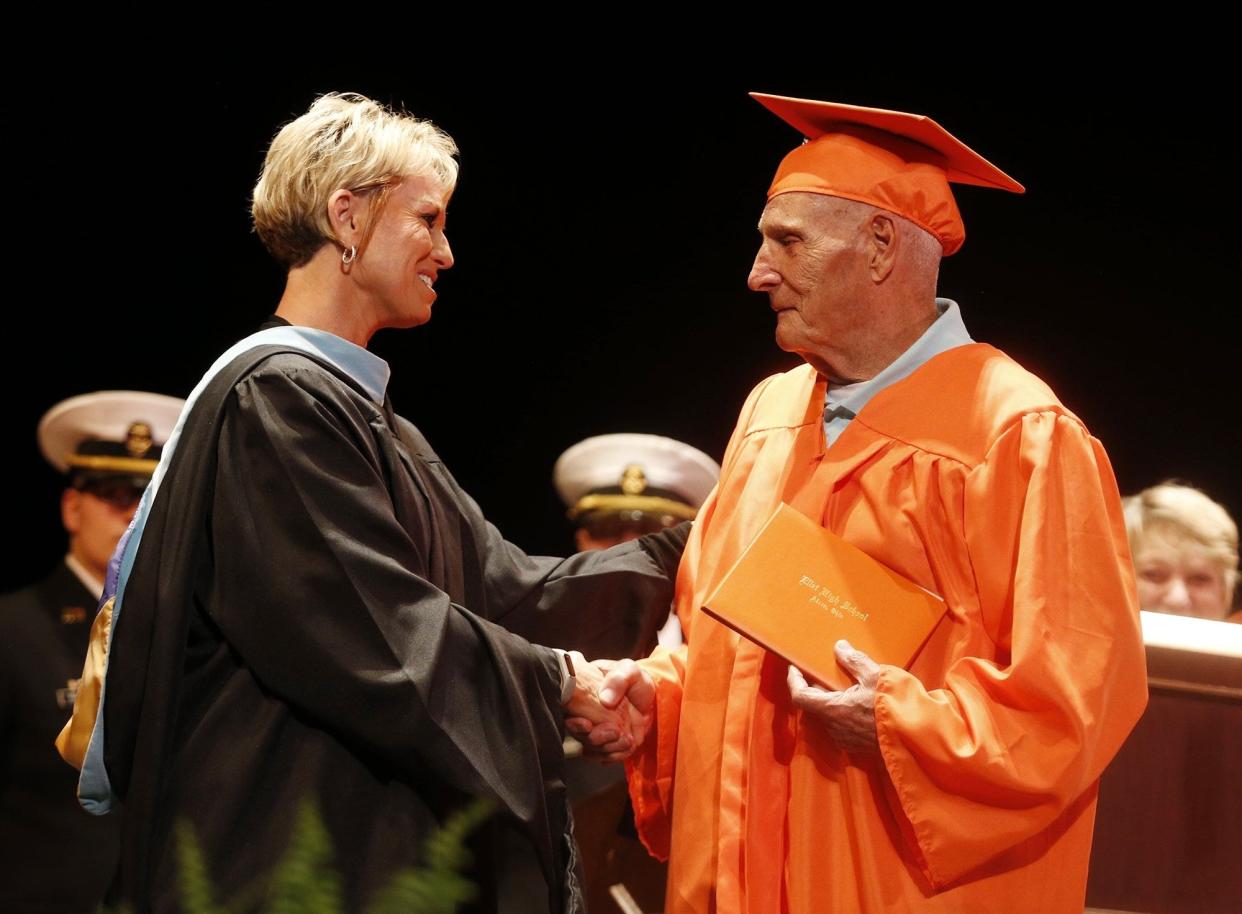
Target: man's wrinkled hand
x=616, y=712
x=848, y=715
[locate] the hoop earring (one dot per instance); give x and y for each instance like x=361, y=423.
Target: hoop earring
x=348, y=257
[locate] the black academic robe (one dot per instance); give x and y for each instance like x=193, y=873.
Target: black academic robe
x=54, y=856
x=317, y=610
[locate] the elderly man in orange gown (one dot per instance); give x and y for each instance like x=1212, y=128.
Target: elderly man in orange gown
x=967, y=782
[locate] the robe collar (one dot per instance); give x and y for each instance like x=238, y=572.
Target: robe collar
x=365, y=368
x=845, y=401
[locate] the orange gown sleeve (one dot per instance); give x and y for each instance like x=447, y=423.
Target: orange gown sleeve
x=1005, y=746
x=651, y=768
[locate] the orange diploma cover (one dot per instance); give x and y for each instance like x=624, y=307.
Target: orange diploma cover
x=798, y=589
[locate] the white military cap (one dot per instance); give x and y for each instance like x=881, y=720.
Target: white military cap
x=634, y=473
x=108, y=432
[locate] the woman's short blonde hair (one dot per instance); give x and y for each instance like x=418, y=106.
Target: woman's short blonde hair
x=344, y=141
x=1182, y=514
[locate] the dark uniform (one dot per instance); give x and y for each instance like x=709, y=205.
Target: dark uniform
x=54, y=856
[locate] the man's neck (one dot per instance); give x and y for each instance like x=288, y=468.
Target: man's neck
x=880, y=350
x=92, y=578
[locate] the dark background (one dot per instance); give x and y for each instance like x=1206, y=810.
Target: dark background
x=603, y=228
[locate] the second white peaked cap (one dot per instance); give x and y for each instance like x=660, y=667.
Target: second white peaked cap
x=670, y=467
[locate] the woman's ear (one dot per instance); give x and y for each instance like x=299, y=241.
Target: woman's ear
x=347, y=213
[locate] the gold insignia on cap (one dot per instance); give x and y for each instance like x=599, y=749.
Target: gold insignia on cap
x=138, y=439
x=633, y=480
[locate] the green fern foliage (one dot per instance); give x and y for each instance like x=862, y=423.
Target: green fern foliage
x=438, y=887
x=306, y=882
x=197, y=895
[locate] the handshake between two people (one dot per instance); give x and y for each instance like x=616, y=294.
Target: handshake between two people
x=613, y=705
x=611, y=709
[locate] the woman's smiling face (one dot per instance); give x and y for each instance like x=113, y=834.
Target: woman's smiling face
x=399, y=263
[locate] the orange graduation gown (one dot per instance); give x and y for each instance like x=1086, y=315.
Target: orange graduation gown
x=970, y=478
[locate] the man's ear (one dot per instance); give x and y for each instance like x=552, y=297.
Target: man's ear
x=883, y=240
x=71, y=510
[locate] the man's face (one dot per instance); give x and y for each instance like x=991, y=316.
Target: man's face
x=586, y=542
x=96, y=523
x=602, y=530
x=812, y=262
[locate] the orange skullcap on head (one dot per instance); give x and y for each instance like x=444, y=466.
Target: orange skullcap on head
x=899, y=162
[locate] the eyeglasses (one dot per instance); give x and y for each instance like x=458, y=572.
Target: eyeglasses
x=120, y=493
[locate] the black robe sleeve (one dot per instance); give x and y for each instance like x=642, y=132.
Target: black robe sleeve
x=604, y=603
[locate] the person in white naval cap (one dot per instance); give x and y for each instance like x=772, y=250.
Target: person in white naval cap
x=618, y=488
x=56, y=856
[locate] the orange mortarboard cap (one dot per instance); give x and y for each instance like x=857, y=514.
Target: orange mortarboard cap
x=897, y=161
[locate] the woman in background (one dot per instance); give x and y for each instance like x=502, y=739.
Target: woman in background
x=1185, y=549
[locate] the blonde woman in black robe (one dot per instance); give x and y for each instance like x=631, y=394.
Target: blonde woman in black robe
x=310, y=607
